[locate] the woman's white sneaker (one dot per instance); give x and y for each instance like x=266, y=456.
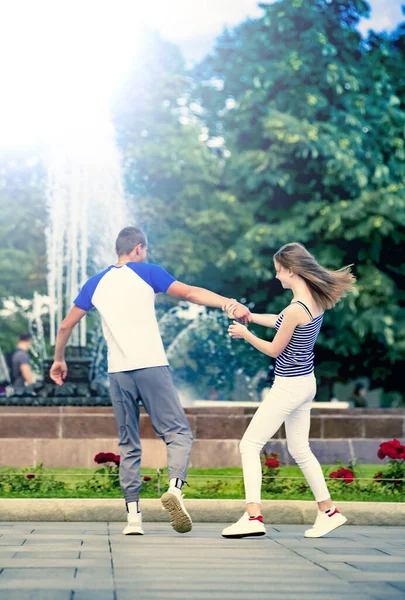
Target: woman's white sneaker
x=180, y=520
x=134, y=526
x=245, y=527
x=325, y=523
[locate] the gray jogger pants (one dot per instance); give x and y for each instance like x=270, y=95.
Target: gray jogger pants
x=154, y=386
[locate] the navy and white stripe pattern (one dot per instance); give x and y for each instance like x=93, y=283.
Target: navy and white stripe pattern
x=298, y=356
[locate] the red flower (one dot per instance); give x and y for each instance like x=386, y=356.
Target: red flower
x=393, y=449
x=105, y=457
x=30, y=476
x=378, y=476
x=272, y=463
x=110, y=457
x=100, y=458
x=346, y=474
x=117, y=459
x=147, y=478
x=401, y=452
x=380, y=454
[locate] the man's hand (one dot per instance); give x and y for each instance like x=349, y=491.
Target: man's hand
x=58, y=372
x=242, y=313
x=237, y=330
x=236, y=310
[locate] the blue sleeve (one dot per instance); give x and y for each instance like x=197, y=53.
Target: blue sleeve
x=83, y=299
x=161, y=280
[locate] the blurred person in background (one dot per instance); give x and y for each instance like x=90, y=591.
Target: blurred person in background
x=358, y=397
x=20, y=364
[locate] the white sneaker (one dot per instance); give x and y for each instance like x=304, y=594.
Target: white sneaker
x=134, y=526
x=180, y=520
x=325, y=523
x=245, y=527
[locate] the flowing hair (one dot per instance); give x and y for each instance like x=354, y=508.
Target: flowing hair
x=327, y=287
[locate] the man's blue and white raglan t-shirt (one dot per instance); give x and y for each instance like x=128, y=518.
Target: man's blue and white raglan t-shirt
x=125, y=299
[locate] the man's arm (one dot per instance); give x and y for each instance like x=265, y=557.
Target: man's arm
x=58, y=370
x=26, y=372
x=204, y=297
x=267, y=320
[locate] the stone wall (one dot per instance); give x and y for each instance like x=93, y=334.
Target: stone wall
x=71, y=436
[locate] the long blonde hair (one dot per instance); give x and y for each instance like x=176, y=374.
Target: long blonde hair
x=327, y=287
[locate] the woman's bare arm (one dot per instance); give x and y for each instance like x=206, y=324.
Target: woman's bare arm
x=265, y=320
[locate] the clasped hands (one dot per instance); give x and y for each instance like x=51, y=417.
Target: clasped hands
x=238, y=311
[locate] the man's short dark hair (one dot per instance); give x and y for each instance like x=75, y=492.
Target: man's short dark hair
x=25, y=337
x=128, y=239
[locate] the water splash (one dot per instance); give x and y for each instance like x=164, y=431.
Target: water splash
x=86, y=208
x=204, y=357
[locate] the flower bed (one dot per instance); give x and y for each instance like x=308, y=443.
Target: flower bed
x=347, y=482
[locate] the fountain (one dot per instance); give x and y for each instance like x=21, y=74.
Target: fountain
x=207, y=364
x=86, y=209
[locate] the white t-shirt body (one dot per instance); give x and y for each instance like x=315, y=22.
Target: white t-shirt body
x=125, y=299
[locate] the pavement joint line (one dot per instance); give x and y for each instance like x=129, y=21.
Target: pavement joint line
x=305, y=557
x=350, y=565
x=112, y=562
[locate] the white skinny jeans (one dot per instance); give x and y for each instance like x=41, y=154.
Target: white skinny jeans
x=289, y=401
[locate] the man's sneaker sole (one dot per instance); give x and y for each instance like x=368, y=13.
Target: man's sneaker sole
x=308, y=534
x=238, y=536
x=180, y=520
x=133, y=530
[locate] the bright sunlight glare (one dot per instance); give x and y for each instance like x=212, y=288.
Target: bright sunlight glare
x=60, y=64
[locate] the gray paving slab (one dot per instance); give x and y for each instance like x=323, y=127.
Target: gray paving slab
x=89, y=561
x=96, y=595
x=378, y=590
x=41, y=555
x=35, y=595
x=8, y=540
x=20, y=574
x=353, y=550
x=7, y=554
x=378, y=567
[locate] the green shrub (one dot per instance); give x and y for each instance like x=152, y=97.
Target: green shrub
x=32, y=481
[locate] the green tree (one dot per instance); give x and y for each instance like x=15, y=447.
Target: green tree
x=173, y=178
x=315, y=128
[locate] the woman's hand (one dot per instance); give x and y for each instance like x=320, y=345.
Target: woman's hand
x=237, y=330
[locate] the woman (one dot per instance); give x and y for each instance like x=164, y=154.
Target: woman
x=315, y=289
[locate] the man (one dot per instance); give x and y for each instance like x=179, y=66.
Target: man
x=124, y=294
x=21, y=373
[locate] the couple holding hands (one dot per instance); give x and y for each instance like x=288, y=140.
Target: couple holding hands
x=124, y=295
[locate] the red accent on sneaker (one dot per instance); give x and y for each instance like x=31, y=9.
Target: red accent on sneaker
x=334, y=513
x=259, y=518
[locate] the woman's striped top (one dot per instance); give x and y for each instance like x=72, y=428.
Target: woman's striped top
x=297, y=358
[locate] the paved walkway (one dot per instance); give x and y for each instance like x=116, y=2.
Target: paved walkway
x=93, y=561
